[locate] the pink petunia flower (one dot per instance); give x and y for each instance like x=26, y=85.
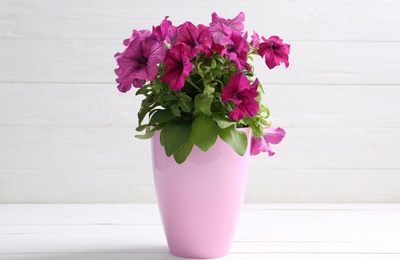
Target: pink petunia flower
x=274, y=51
x=221, y=29
x=161, y=32
x=194, y=38
x=138, y=62
x=271, y=135
x=242, y=95
x=237, y=51
x=255, y=41
x=171, y=35
x=142, y=34
x=177, y=67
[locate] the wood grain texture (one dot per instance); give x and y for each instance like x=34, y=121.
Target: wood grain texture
x=312, y=20
x=233, y=256
x=87, y=148
x=311, y=63
x=67, y=135
x=277, y=231
x=101, y=105
x=132, y=184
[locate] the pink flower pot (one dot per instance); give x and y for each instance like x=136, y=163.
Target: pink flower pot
x=200, y=200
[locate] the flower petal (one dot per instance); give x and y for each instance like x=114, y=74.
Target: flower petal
x=255, y=40
x=139, y=61
x=274, y=135
x=237, y=23
x=177, y=67
x=274, y=52
x=237, y=113
x=258, y=145
x=242, y=95
x=194, y=38
x=160, y=32
x=221, y=29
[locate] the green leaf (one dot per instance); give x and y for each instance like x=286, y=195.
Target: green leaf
x=184, y=97
x=200, y=72
x=161, y=116
x=141, y=128
x=186, y=106
x=219, y=58
x=142, y=91
x=204, y=132
x=162, y=138
x=142, y=113
x=256, y=127
x=208, y=90
x=222, y=121
x=236, y=139
x=175, y=110
x=150, y=131
x=145, y=136
x=174, y=135
x=203, y=103
x=213, y=64
x=181, y=155
x=169, y=98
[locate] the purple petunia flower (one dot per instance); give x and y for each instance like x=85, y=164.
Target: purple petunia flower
x=271, y=136
x=142, y=34
x=237, y=51
x=171, y=35
x=177, y=67
x=138, y=62
x=242, y=95
x=221, y=29
x=255, y=41
x=161, y=32
x=194, y=38
x=274, y=51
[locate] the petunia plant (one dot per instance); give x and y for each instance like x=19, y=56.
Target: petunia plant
x=198, y=84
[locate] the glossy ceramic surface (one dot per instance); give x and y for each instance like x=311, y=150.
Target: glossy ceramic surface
x=200, y=200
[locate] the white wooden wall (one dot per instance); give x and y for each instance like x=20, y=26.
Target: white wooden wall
x=67, y=135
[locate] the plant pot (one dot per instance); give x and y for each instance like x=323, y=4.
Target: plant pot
x=200, y=200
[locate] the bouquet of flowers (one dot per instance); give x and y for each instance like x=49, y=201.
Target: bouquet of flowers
x=198, y=84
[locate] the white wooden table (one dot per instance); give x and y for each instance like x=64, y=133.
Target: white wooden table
x=134, y=231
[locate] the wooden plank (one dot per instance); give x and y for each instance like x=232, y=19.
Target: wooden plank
x=69, y=105
x=350, y=229
x=255, y=208
x=314, y=20
x=322, y=185
x=96, y=105
x=135, y=185
x=231, y=256
x=116, y=148
x=79, y=214
x=36, y=244
x=138, y=214
x=73, y=148
x=88, y=61
x=57, y=61
x=77, y=185
x=333, y=106
x=317, y=247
